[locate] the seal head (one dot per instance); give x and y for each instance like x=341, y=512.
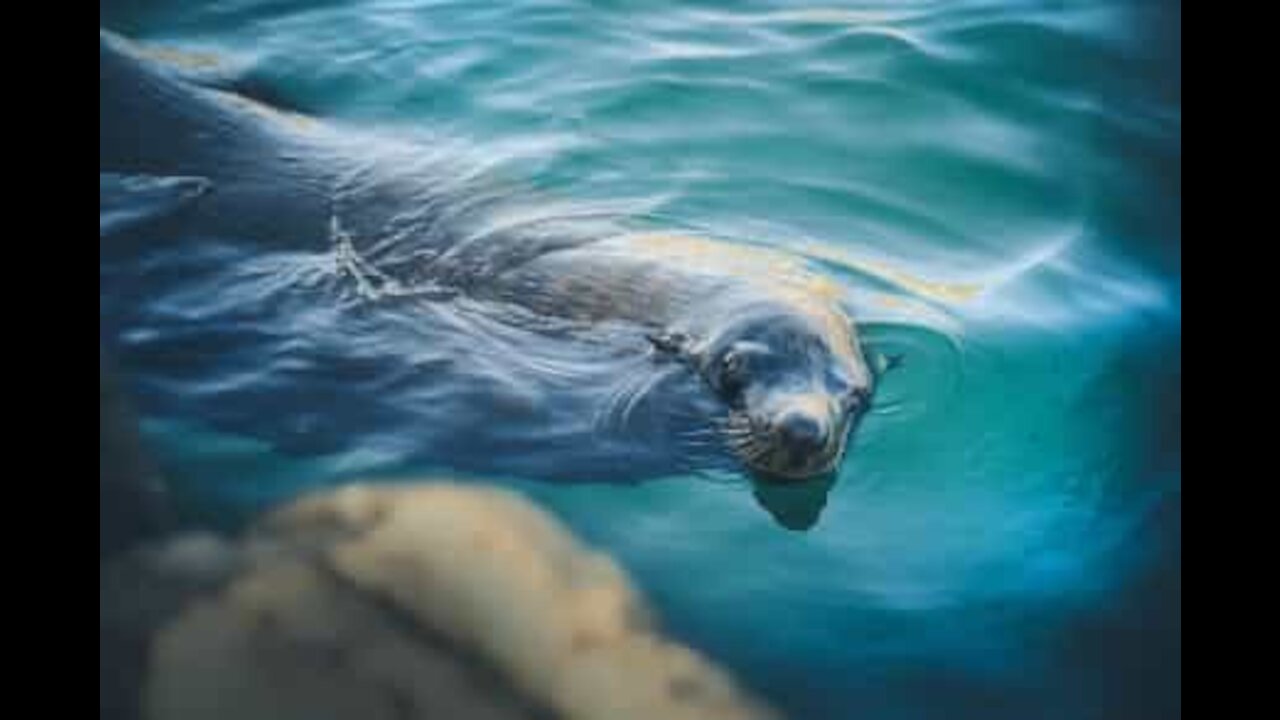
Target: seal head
x=794, y=385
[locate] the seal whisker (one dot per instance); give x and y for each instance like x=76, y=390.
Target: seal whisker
x=703, y=432
x=753, y=452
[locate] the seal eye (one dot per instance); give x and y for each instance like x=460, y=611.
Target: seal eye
x=731, y=363
x=839, y=384
x=733, y=372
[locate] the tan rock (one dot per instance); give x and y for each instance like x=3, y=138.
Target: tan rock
x=430, y=601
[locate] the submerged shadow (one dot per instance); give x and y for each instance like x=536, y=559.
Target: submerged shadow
x=794, y=505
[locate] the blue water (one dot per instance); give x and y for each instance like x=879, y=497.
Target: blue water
x=997, y=186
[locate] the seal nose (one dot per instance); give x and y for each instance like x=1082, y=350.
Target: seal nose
x=802, y=432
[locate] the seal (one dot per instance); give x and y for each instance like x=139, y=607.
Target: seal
x=768, y=337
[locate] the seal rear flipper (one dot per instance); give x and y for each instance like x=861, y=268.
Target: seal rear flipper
x=202, y=68
x=152, y=121
x=193, y=66
x=128, y=201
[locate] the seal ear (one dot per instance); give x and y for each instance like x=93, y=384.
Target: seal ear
x=670, y=344
x=882, y=363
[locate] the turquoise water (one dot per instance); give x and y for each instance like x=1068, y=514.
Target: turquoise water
x=998, y=188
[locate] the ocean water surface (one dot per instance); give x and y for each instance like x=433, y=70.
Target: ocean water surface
x=995, y=185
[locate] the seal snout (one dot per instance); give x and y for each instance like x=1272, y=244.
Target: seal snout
x=803, y=437
x=803, y=433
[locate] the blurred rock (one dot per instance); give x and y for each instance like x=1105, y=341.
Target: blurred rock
x=132, y=504
x=425, y=601
x=140, y=591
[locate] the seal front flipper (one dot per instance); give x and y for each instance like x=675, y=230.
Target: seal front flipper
x=673, y=345
x=128, y=201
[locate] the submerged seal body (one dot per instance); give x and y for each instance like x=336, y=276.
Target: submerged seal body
x=768, y=338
